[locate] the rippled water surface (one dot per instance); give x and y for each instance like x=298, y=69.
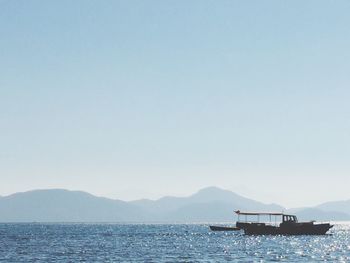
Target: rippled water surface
x=163, y=243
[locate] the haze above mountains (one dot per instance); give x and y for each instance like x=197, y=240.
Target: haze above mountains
x=210, y=204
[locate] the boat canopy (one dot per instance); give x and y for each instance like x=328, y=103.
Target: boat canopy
x=259, y=213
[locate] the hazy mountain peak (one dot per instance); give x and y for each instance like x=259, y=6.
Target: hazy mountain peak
x=214, y=194
x=212, y=190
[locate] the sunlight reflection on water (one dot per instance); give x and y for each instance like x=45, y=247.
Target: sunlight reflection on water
x=163, y=243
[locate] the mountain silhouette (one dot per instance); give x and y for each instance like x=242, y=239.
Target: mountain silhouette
x=60, y=205
x=340, y=206
x=210, y=204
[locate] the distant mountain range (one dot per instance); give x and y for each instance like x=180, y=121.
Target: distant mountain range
x=211, y=204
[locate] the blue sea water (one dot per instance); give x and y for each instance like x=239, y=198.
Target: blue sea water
x=163, y=243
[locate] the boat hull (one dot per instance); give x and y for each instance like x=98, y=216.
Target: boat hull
x=286, y=229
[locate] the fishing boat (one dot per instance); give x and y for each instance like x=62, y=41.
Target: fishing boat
x=288, y=226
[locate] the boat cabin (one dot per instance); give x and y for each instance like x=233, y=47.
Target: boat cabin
x=289, y=218
x=274, y=218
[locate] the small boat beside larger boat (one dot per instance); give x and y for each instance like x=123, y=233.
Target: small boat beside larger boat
x=288, y=226
x=223, y=228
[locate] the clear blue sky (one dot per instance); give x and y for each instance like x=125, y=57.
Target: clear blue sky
x=131, y=99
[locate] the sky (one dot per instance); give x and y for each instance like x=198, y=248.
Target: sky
x=142, y=99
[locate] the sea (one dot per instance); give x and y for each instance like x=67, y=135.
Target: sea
x=108, y=242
